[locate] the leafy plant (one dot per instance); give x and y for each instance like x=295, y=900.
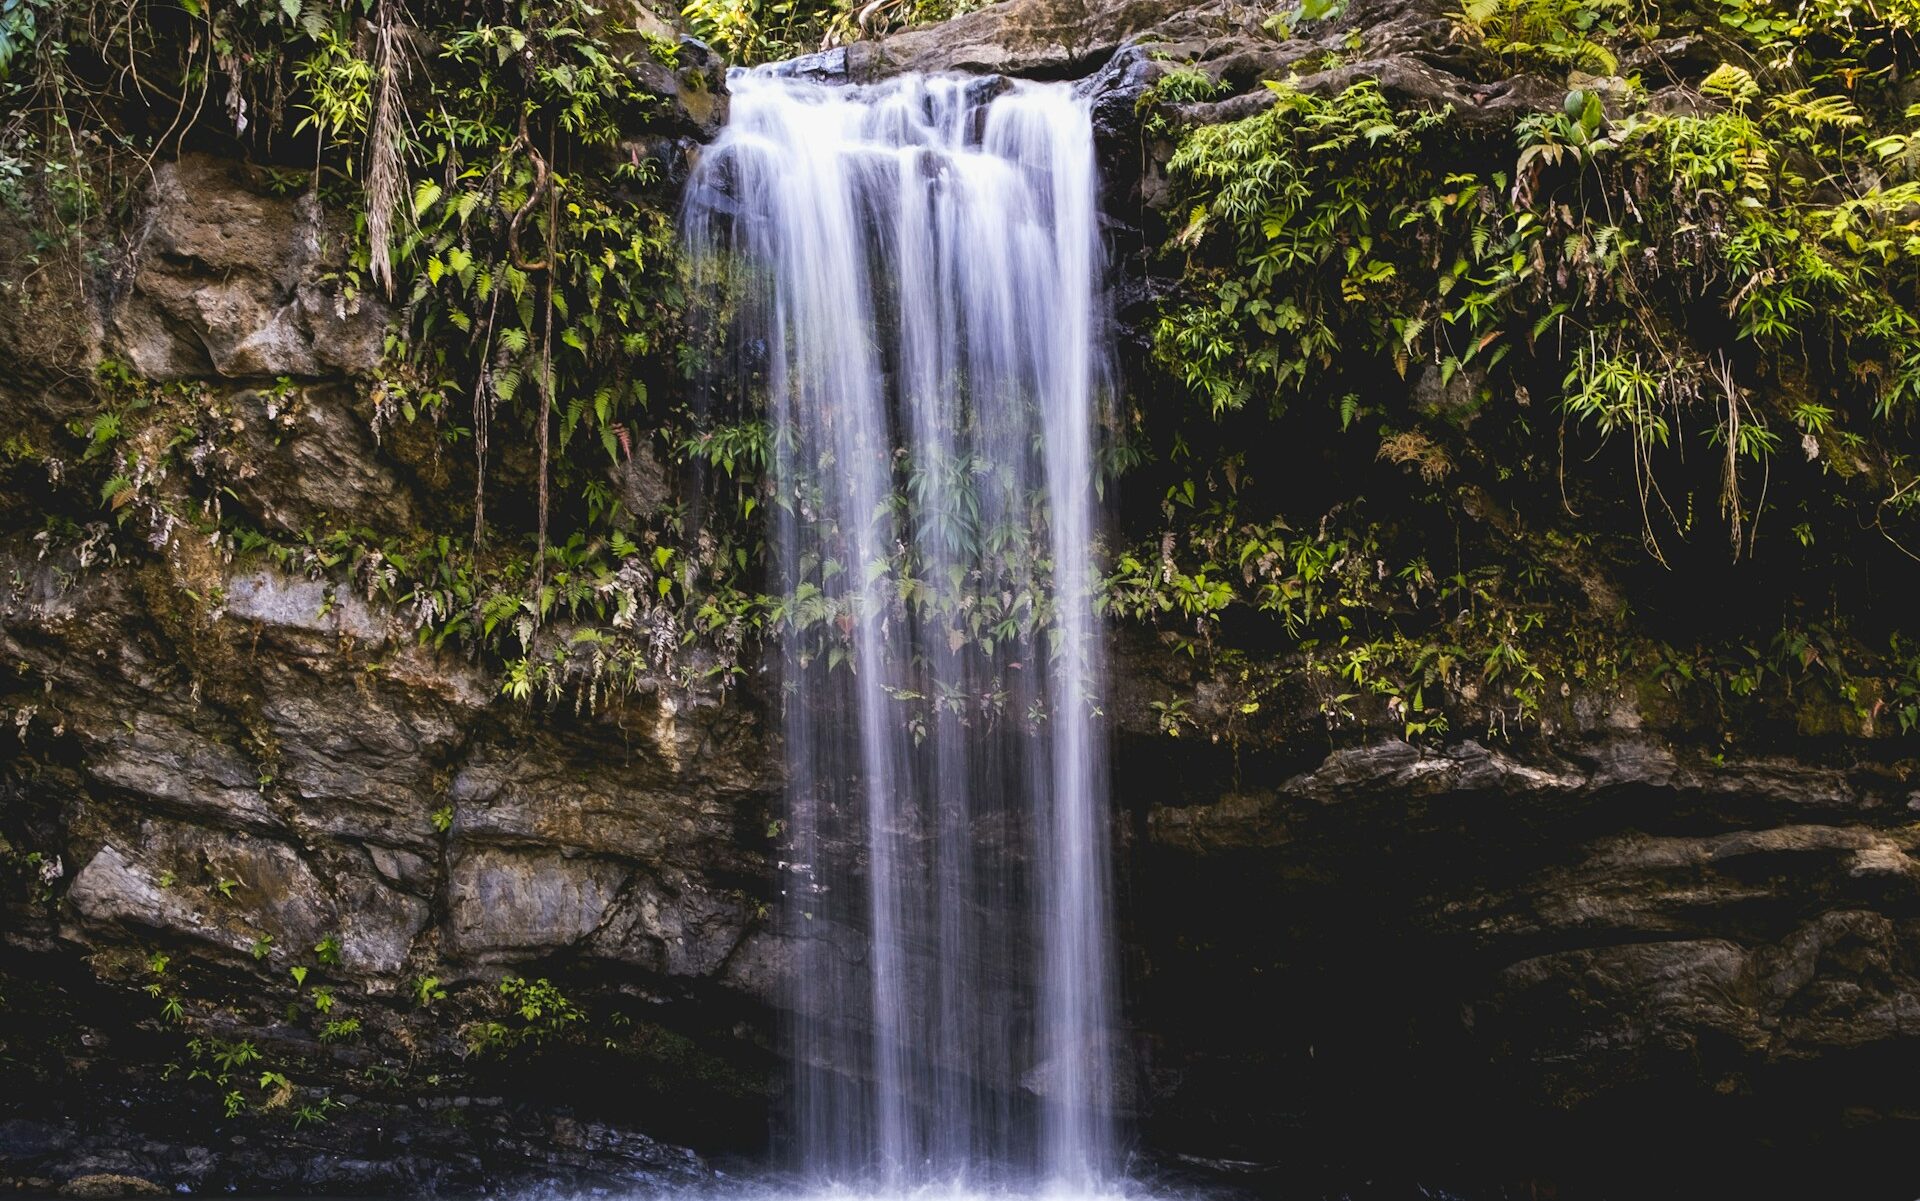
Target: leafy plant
x=427, y=990
x=1563, y=34
x=542, y=1006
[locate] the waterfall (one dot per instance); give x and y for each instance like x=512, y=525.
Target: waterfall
x=915, y=295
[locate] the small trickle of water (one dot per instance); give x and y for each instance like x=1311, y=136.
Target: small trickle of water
x=914, y=273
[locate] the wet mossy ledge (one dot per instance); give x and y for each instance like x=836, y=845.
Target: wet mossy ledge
x=1515, y=701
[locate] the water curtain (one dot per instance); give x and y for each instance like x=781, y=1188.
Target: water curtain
x=915, y=281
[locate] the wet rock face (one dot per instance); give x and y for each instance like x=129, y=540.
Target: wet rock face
x=223, y=283
x=1116, y=49
x=1538, y=944
x=307, y=457
x=237, y=803
x=313, y=785
x=1033, y=38
x=1605, y=931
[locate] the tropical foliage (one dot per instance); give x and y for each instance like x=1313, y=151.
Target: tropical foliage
x=1685, y=320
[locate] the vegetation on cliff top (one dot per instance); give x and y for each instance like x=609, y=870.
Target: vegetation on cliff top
x=504, y=166
x=759, y=31
x=1678, y=313
x=1460, y=393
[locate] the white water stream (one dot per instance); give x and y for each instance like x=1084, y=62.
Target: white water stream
x=918, y=300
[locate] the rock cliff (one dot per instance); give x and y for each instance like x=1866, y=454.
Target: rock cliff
x=258, y=823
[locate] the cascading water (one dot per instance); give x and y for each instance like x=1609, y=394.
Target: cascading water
x=914, y=272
